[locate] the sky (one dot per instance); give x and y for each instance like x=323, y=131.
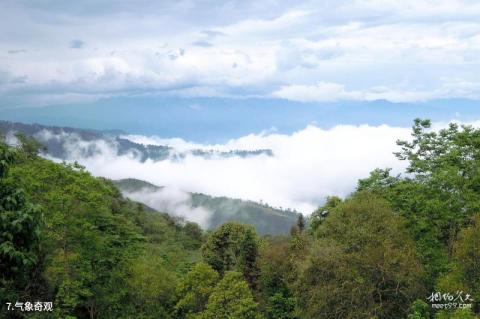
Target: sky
x=328, y=85
x=61, y=52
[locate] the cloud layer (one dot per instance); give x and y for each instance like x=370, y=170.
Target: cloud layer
x=399, y=50
x=306, y=166
x=174, y=201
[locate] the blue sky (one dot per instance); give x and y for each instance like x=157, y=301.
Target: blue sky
x=60, y=52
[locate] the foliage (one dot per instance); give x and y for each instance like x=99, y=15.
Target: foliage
x=233, y=246
x=419, y=310
x=265, y=219
x=19, y=235
x=193, y=291
x=29, y=145
x=72, y=238
x=440, y=193
x=447, y=163
x=231, y=298
x=280, y=307
x=301, y=223
x=362, y=265
x=99, y=255
x=457, y=314
x=319, y=215
x=151, y=285
x=422, y=210
x=465, y=273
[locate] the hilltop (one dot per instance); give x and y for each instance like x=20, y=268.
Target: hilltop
x=266, y=219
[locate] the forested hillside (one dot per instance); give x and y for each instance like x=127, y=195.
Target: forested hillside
x=72, y=239
x=395, y=248
x=265, y=219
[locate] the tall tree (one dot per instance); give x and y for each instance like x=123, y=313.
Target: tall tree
x=19, y=235
x=363, y=264
x=319, y=215
x=439, y=194
x=29, y=145
x=447, y=162
x=193, y=291
x=233, y=246
x=301, y=222
x=464, y=275
x=231, y=298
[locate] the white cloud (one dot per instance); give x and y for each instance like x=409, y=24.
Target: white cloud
x=322, y=91
x=325, y=92
x=403, y=47
x=306, y=166
x=174, y=201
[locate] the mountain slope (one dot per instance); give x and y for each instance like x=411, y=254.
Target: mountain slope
x=266, y=219
x=98, y=252
x=73, y=144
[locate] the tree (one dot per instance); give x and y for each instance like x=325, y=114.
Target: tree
x=280, y=307
x=276, y=273
x=29, y=145
x=457, y=314
x=301, y=222
x=151, y=286
x=379, y=180
x=447, y=163
x=194, y=233
x=466, y=252
x=423, y=209
x=465, y=272
x=231, y=298
x=193, y=291
x=319, y=215
x=419, y=310
x=362, y=265
x=299, y=227
x=275, y=267
x=19, y=234
x=88, y=249
x=233, y=246
x=440, y=193
x=94, y=253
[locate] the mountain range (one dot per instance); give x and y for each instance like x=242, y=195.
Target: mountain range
x=58, y=139
x=216, y=210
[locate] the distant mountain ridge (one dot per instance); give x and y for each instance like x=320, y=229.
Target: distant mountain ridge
x=56, y=140
x=61, y=141
x=266, y=219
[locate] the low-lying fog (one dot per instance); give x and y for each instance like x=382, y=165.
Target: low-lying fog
x=306, y=166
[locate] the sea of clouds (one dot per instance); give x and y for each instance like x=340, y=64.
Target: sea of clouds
x=173, y=201
x=306, y=166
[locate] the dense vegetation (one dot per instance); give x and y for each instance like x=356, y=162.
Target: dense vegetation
x=265, y=219
x=73, y=239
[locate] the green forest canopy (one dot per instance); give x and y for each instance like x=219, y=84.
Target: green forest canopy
x=71, y=238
